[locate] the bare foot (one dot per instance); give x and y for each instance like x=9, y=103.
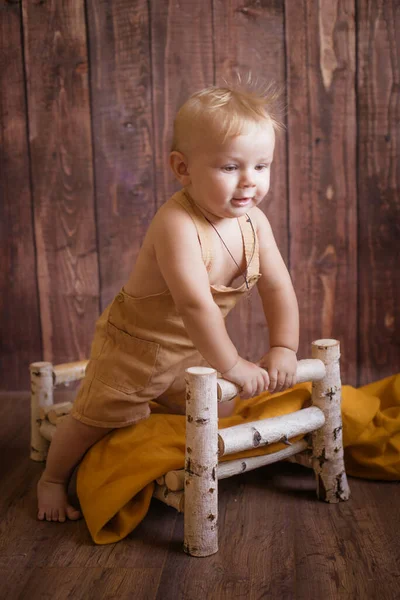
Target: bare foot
x=53, y=502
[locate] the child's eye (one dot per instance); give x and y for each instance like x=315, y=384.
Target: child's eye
x=261, y=167
x=229, y=168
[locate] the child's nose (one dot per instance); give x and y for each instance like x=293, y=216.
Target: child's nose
x=247, y=179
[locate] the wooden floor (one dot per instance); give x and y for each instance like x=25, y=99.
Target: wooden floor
x=276, y=540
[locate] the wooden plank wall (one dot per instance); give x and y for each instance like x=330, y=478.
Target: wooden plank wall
x=88, y=93
x=321, y=44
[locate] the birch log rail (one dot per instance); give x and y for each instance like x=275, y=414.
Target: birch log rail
x=194, y=489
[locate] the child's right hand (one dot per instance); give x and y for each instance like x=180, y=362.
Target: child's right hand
x=252, y=379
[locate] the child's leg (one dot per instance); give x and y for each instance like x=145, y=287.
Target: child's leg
x=69, y=444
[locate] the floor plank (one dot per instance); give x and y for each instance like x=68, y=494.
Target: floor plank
x=276, y=540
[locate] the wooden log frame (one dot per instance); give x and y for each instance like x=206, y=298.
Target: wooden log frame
x=194, y=490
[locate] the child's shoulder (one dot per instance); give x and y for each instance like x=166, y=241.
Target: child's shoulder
x=172, y=217
x=259, y=219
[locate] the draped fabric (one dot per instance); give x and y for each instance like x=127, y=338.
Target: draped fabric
x=115, y=479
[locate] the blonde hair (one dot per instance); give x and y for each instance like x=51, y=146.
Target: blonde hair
x=227, y=110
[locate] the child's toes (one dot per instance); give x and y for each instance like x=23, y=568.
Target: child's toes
x=41, y=515
x=72, y=513
x=61, y=516
x=54, y=514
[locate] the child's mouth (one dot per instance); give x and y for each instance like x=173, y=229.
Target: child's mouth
x=241, y=201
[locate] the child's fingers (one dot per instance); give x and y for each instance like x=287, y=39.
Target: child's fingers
x=248, y=390
x=273, y=380
x=280, y=383
x=288, y=381
x=265, y=377
x=261, y=383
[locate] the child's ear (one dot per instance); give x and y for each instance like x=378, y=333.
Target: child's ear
x=179, y=165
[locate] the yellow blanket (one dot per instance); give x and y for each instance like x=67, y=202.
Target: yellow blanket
x=115, y=479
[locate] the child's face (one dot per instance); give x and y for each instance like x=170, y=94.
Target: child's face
x=226, y=180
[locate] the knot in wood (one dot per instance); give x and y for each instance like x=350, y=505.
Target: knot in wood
x=322, y=458
x=256, y=438
x=331, y=393
x=336, y=431
x=202, y=421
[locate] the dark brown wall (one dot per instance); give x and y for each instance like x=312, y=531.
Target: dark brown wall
x=88, y=92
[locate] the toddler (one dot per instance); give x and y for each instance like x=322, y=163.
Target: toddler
x=206, y=247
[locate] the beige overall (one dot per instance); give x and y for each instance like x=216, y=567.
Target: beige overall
x=141, y=349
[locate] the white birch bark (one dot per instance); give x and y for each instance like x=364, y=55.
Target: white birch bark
x=47, y=430
x=327, y=442
x=174, y=499
x=68, y=372
x=174, y=480
x=268, y=431
x=58, y=412
x=201, y=460
x=53, y=411
x=41, y=396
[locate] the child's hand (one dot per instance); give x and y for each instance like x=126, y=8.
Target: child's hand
x=281, y=364
x=252, y=379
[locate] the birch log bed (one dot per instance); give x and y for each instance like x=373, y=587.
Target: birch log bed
x=194, y=489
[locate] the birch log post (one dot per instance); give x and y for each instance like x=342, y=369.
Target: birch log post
x=327, y=443
x=201, y=460
x=41, y=396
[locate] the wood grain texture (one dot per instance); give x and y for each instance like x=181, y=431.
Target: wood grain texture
x=182, y=63
x=378, y=185
x=275, y=539
x=145, y=58
x=19, y=306
x=250, y=38
x=60, y=146
x=122, y=134
x=320, y=45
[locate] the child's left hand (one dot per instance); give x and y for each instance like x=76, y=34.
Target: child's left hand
x=281, y=364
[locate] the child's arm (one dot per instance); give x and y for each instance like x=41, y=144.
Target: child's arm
x=280, y=309
x=179, y=258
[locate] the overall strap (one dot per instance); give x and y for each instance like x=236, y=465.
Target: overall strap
x=202, y=227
